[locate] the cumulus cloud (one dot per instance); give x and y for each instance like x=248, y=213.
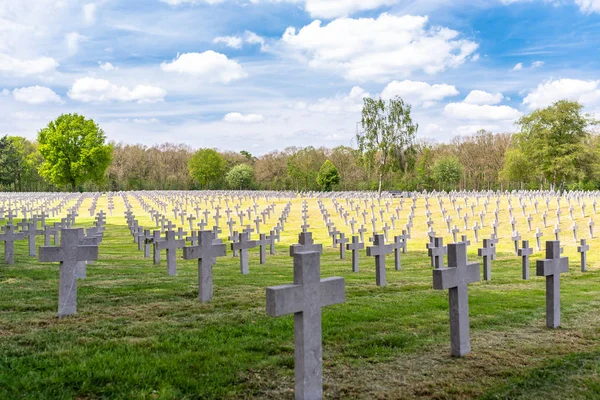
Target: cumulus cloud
x=588, y=6
x=209, y=65
x=237, y=117
x=537, y=64
x=351, y=102
x=418, y=93
x=36, y=95
x=100, y=90
x=73, y=39
x=485, y=112
x=89, y=13
x=237, y=42
x=342, y=8
x=19, y=67
x=379, y=48
x=546, y=93
x=481, y=97
x=107, y=66
x=517, y=67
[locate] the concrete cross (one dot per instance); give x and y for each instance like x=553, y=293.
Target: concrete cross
x=488, y=252
x=524, y=252
x=436, y=251
x=206, y=252
x=8, y=237
x=455, y=278
x=538, y=239
x=582, y=249
x=355, y=246
x=242, y=246
x=515, y=238
x=262, y=243
x=171, y=244
x=31, y=233
x=342, y=240
x=379, y=251
x=68, y=254
x=305, y=244
x=551, y=268
x=304, y=299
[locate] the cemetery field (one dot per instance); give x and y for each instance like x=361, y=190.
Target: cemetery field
x=139, y=333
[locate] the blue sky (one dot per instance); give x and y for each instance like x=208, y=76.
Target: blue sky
x=260, y=75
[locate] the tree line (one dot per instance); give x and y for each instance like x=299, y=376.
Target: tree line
x=555, y=147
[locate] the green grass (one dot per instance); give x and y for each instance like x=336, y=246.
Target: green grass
x=141, y=334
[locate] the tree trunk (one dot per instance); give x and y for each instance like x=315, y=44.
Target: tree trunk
x=380, y=183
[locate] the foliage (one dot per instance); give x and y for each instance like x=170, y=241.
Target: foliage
x=447, y=171
x=555, y=137
x=517, y=167
x=328, y=177
x=206, y=166
x=388, y=130
x=74, y=151
x=240, y=177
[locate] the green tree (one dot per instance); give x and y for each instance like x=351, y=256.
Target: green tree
x=517, y=167
x=240, y=177
x=206, y=166
x=388, y=130
x=328, y=176
x=74, y=151
x=8, y=162
x=555, y=137
x=447, y=171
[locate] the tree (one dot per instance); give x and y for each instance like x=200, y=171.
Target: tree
x=206, y=165
x=517, y=167
x=447, y=171
x=240, y=177
x=388, y=131
x=555, y=137
x=74, y=151
x=328, y=176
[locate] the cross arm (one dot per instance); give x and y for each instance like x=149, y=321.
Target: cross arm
x=50, y=254
x=87, y=253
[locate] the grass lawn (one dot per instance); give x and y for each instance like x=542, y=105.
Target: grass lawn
x=142, y=334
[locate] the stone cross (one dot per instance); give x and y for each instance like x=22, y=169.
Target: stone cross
x=342, y=240
x=305, y=244
x=355, y=246
x=538, y=238
x=68, y=254
x=436, y=251
x=551, y=268
x=304, y=299
x=206, y=253
x=583, y=248
x=524, y=252
x=242, y=245
x=171, y=244
x=379, y=251
x=262, y=243
x=31, y=232
x=8, y=237
x=455, y=278
x=488, y=253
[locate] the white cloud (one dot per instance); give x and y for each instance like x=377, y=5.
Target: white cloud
x=89, y=13
x=341, y=8
x=418, y=93
x=478, y=112
x=107, y=66
x=209, y=65
x=5, y=92
x=537, y=64
x=180, y=2
x=375, y=49
x=229, y=41
x=236, y=42
x=18, y=67
x=517, y=67
x=481, y=97
x=92, y=90
x=588, y=6
x=73, y=40
x=351, y=102
x=237, y=117
x=546, y=93
x=36, y=95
